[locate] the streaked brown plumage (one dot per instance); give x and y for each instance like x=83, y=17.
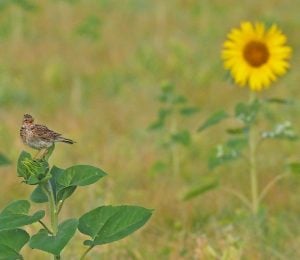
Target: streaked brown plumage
x=39, y=136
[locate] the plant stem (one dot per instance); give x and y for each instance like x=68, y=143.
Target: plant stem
x=86, y=252
x=253, y=167
x=240, y=196
x=53, y=212
x=253, y=172
x=53, y=209
x=271, y=184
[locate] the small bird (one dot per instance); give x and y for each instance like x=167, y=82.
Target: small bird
x=39, y=136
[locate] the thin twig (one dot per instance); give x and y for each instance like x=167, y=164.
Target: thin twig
x=86, y=252
x=239, y=196
x=44, y=225
x=271, y=184
x=60, y=205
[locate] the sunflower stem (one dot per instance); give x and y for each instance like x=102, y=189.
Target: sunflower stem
x=253, y=166
x=86, y=252
x=53, y=211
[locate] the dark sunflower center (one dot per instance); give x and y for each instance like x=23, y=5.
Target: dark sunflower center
x=256, y=53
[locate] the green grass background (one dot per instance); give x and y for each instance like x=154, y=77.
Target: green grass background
x=93, y=69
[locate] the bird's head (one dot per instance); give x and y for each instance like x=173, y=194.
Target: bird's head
x=27, y=119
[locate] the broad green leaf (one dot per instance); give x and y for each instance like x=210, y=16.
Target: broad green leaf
x=54, y=244
x=188, y=111
x=281, y=131
x=60, y=192
x=58, y=189
x=3, y=160
x=38, y=195
x=247, y=112
x=80, y=175
x=107, y=224
x=294, y=167
x=16, y=207
x=201, y=189
x=182, y=137
x=228, y=152
x=65, y=193
x=7, y=253
x=213, y=120
x=11, y=242
x=16, y=215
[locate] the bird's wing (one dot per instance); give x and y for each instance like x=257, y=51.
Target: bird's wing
x=44, y=133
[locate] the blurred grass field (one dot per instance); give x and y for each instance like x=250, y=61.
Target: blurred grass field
x=93, y=69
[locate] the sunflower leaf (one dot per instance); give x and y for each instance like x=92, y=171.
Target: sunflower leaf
x=213, y=120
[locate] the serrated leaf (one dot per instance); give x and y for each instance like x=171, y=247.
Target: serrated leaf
x=11, y=242
x=107, y=224
x=201, y=189
x=16, y=215
x=54, y=244
x=4, y=160
x=33, y=171
x=80, y=175
x=213, y=120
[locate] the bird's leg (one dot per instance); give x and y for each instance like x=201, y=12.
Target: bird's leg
x=36, y=155
x=44, y=152
x=40, y=154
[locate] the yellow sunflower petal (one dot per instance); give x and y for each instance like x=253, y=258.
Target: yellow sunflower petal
x=256, y=56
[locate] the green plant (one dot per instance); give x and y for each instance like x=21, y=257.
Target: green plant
x=251, y=57
x=245, y=138
x=104, y=224
x=173, y=133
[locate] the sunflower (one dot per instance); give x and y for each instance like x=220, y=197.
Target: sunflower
x=256, y=56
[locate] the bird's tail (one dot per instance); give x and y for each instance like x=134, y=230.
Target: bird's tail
x=65, y=140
